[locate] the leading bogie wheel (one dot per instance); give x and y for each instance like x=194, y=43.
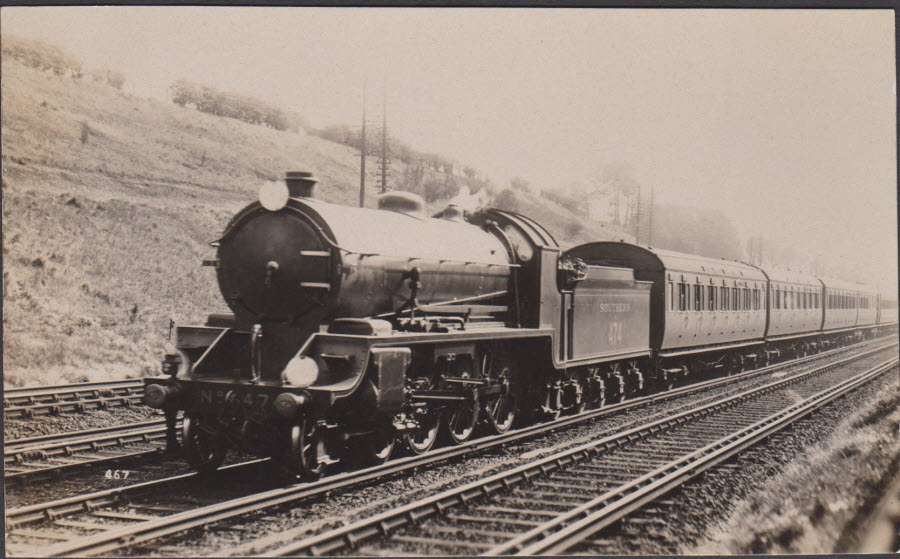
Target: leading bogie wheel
x=306, y=447
x=204, y=442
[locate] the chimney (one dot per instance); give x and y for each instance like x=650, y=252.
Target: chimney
x=301, y=184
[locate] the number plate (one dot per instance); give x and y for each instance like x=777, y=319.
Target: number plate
x=233, y=401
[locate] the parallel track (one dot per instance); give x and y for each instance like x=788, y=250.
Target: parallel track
x=144, y=527
x=53, y=454
x=24, y=403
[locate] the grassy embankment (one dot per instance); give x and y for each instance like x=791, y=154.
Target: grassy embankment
x=109, y=202
x=817, y=503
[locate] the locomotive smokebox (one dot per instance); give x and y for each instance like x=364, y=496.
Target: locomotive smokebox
x=301, y=184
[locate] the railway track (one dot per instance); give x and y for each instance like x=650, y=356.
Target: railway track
x=553, y=504
x=148, y=524
x=24, y=403
x=53, y=454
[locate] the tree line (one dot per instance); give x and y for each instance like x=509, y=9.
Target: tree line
x=51, y=58
x=232, y=105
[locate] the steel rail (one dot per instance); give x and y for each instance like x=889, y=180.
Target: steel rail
x=91, y=501
x=71, y=435
x=153, y=529
x=21, y=403
x=28, y=514
x=382, y=524
x=39, y=441
x=42, y=455
x=561, y=533
x=51, y=389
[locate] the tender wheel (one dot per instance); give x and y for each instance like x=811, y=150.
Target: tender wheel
x=552, y=406
x=378, y=446
x=204, y=443
x=306, y=447
x=615, y=390
x=595, y=391
x=421, y=439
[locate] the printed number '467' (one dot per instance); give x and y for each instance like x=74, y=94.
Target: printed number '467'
x=117, y=474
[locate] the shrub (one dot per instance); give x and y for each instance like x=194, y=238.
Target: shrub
x=40, y=55
x=232, y=105
x=507, y=200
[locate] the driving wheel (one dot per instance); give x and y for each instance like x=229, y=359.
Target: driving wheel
x=501, y=409
x=421, y=439
x=462, y=418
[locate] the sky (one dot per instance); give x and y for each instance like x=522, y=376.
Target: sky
x=783, y=120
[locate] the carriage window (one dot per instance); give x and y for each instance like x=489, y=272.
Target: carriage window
x=698, y=298
x=682, y=296
x=671, y=296
x=746, y=299
x=712, y=298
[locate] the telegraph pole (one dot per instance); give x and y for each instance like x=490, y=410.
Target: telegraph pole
x=650, y=219
x=362, y=155
x=384, y=146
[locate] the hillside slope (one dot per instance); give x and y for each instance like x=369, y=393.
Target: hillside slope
x=109, y=203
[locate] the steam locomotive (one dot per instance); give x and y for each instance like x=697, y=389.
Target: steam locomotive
x=356, y=330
